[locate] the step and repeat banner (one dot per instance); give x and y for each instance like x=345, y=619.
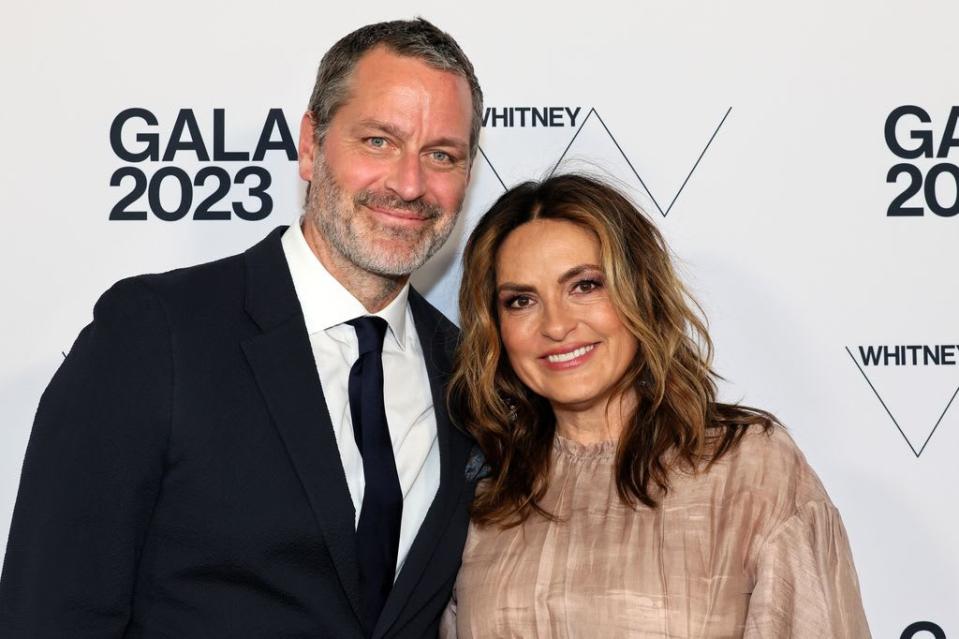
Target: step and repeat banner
x=802, y=159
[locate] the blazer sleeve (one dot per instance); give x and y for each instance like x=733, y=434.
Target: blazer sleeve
x=91, y=475
x=806, y=584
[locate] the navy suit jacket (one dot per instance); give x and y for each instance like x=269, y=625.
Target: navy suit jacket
x=182, y=479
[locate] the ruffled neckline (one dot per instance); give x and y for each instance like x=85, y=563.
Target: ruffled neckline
x=576, y=450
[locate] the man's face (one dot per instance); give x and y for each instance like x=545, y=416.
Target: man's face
x=389, y=178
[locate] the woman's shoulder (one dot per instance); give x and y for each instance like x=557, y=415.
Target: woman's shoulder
x=766, y=464
x=767, y=445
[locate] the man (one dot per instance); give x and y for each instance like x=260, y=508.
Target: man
x=239, y=449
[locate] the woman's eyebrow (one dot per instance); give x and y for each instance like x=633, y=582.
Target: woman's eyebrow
x=513, y=287
x=576, y=271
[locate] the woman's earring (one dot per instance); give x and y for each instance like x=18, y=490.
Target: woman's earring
x=511, y=404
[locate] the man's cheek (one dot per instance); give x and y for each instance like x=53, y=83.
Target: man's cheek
x=356, y=174
x=450, y=197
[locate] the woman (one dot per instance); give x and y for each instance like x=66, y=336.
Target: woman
x=623, y=500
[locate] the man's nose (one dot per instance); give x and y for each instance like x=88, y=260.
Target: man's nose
x=407, y=179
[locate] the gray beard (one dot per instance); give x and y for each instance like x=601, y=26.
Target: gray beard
x=328, y=210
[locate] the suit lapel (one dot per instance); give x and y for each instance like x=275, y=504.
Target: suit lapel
x=282, y=361
x=437, y=344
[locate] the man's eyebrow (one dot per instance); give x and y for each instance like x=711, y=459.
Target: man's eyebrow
x=386, y=127
x=455, y=143
x=396, y=132
x=576, y=271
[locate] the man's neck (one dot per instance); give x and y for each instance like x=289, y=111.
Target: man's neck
x=374, y=291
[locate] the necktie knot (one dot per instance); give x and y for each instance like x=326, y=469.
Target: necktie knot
x=370, y=332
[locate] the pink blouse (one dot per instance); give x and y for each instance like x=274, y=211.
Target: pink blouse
x=751, y=548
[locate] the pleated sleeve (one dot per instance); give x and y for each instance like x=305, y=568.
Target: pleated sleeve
x=806, y=585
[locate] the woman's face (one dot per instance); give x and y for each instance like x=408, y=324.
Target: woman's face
x=563, y=337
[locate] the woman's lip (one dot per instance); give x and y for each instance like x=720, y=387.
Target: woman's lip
x=566, y=364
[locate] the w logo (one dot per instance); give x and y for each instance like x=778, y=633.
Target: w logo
x=594, y=139
x=916, y=384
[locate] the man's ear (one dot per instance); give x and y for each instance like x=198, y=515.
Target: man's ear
x=307, y=148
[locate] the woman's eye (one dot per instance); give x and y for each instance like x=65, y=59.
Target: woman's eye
x=586, y=286
x=518, y=301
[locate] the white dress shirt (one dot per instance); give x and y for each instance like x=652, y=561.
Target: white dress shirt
x=326, y=306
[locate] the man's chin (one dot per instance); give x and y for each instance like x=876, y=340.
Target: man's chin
x=395, y=259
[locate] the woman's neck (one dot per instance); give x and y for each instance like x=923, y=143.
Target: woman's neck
x=599, y=422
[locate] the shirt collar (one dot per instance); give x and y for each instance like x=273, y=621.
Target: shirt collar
x=327, y=303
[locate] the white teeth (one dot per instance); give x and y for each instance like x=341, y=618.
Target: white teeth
x=565, y=357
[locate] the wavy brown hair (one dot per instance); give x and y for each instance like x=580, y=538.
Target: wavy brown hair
x=677, y=424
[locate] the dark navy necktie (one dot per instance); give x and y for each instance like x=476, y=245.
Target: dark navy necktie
x=378, y=531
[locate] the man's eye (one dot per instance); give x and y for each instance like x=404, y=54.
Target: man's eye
x=376, y=142
x=442, y=156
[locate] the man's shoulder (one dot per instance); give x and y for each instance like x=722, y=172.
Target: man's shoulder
x=199, y=291
x=191, y=290
x=196, y=277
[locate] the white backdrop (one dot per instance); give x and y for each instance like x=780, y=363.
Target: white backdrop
x=782, y=228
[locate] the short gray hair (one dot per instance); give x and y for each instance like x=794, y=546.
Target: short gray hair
x=417, y=38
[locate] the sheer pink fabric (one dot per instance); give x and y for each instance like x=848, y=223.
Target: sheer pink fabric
x=752, y=548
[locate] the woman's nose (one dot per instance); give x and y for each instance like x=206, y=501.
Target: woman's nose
x=557, y=322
